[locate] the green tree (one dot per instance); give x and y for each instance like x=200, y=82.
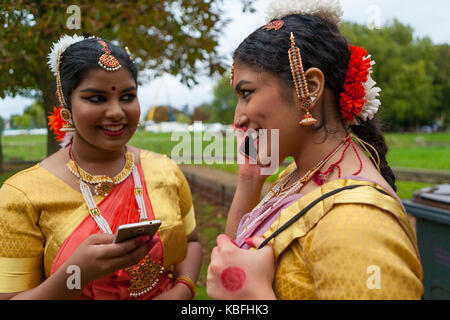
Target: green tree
x=182, y=118
x=404, y=70
x=174, y=36
x=442, y=82
x=224, y=101
x=201, y=113
x=32, y=117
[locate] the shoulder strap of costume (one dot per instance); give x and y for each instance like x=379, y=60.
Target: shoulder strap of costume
x=312, y=204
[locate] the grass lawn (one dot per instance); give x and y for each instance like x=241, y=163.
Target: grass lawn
x=408, y=150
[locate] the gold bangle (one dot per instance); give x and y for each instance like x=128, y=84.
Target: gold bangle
x=187, y=282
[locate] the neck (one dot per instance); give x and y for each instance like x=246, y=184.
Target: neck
x=87, y=154
x=311, y=152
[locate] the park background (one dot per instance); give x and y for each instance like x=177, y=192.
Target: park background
x=184, y=48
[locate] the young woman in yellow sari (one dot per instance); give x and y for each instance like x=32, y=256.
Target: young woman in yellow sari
x=340, y=231
x=58, y=218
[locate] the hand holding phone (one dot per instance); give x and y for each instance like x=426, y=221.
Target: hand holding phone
x=133, y=230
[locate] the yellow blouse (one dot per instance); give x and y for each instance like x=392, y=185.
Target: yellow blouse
x=357, y=244
x=38, y=211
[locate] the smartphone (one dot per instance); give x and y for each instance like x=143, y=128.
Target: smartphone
x=129, y=231
x=248, y=148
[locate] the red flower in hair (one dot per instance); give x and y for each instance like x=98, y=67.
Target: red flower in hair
x=352, y=99
x=56, y=122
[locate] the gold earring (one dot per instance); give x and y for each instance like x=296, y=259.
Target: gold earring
x=67, y=117
x=300, y=83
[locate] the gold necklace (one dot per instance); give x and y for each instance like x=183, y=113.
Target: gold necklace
x=146, y=274
x=103, y=184
x=311, y=171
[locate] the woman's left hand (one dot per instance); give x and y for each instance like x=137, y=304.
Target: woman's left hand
x=238, y=274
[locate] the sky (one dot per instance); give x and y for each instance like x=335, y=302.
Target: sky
x=427, y=18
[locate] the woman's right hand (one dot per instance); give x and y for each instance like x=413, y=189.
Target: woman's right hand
x=98, y=256
x=249, y=170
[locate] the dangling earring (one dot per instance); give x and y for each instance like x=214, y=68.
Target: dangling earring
x=301, y=86
x=67, y=117
x=232, y=75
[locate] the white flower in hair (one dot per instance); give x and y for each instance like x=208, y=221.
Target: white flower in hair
x=63, y=43
x=67, y=139
x=329, y=10
x=372, y=104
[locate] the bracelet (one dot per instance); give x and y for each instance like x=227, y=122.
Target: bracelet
x=187, y=282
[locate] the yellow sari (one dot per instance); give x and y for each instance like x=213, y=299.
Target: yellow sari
x=39, y=211
x=357, y=244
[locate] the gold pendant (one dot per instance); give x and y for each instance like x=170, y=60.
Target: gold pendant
x=144, y=276
x=104, y=188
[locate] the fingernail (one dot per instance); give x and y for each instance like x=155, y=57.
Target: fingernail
x=249, y=241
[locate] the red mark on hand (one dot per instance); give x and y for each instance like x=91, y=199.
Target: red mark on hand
x=233, y=278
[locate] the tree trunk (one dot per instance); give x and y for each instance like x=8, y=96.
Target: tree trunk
x=48, y=87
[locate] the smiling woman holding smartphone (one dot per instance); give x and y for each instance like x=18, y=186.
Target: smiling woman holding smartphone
x=64, y=211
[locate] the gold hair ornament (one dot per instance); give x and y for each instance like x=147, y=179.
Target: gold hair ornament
x=301, y=86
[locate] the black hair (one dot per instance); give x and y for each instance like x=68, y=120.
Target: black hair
x=83, y=56
x=322, y=46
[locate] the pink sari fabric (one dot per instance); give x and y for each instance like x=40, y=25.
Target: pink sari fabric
x=118, y=208
x=264, y=224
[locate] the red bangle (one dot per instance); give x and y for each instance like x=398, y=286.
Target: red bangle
x=187, y=282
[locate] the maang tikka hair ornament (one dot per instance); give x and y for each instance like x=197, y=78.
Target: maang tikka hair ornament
x=107, y=61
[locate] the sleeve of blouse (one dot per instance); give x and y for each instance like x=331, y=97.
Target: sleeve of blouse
x=21, y=242
x=186, y=204
x=359, y=251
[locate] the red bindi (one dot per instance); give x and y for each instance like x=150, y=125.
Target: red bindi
x=233, y=278
x=113, y=88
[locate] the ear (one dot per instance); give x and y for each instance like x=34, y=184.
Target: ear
x=316, y=83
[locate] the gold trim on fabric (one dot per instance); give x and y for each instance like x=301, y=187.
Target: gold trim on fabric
x=20, y=274
x=364, y=195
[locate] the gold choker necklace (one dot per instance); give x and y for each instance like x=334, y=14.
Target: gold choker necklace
x=103, y=184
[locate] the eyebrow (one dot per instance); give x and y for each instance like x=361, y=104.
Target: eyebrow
x=93, y=90
x=241, y=83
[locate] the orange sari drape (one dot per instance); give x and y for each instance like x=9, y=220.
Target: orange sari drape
x=118, y=208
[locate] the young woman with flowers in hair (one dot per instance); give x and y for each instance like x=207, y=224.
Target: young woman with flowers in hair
x=333, y=226
x=58, y=218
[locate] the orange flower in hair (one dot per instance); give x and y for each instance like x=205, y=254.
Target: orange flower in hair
x=56, y=122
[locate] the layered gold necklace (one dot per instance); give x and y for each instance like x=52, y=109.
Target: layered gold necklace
x=103, y=184
x=146, y=274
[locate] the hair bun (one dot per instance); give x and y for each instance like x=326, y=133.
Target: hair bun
x=329, y=10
